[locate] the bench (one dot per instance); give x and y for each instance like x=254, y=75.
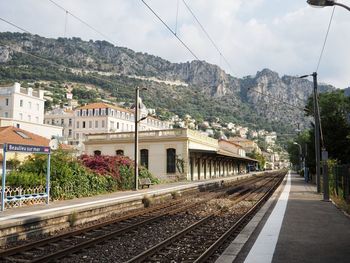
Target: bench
x=145, y=181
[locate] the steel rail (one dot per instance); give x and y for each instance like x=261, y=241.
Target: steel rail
x=208, y=253
x=48, y=240
x=153, y=250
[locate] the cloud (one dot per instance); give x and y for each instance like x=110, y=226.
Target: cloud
x=284, y=36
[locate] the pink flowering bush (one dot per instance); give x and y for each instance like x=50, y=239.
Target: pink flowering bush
x=118, y=167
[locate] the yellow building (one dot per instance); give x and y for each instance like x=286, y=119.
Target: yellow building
x=173, y=153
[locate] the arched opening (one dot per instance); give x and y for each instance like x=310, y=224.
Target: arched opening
x=119, y=152
x=97, y=153
x=170, y=160
x=144, y=157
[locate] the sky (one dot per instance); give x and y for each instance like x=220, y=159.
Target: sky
x=283, y=35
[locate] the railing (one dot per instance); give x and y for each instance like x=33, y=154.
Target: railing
x=142, y=134
x=339, y=181
x=16, y=196
x=177, y=133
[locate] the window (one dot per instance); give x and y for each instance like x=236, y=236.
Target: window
x=7, y=102
x=21, y=103
x=70, y=122
x=62, y=121
x=78, y=124
x=77, y=136
x=90, y=112
x=111, y=123
x=119, y=152
x=37, y=106
x=144, y=157
x=18, y=125
x=90, y=124
x=70, y=133
x=23, y=135
x=112, y=112
x=97, y=153
x=77, y=113
x=84, y=113
x=96, y=124
x=96, y=111
x=103, y=123
x=29, y=104
x=6, y=114
x=170, y=160
x=103, y=112
x=84, y=124
x=118, y=125
x=52, y=121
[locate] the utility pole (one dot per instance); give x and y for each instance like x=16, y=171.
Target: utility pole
x=136, y=154
x=317, y=134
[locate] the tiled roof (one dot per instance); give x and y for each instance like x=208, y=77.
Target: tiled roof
x=102, y=105
x=10, y=134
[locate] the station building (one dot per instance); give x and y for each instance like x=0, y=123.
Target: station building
x=174, y=153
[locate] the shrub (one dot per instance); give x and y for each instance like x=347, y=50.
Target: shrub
x=69, y=178
x=118, y=167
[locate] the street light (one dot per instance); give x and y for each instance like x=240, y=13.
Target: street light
x=317, y=131
x=300, y=154
x=137, y=120
x=323, y=3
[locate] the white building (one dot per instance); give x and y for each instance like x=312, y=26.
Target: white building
x=24, y=108
x=100, y=118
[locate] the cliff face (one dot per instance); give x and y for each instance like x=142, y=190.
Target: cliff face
x=206, y=90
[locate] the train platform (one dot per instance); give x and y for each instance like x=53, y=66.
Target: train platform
x=20, y=222
x=297, y=227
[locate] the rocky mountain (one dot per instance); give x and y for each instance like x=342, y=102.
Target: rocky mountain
x=197, y=88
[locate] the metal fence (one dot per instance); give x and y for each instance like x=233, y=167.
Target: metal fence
x=340, y=181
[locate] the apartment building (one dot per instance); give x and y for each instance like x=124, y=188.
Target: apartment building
x=24, y=108
x=100, y=118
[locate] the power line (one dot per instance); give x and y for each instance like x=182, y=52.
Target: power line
x=166, y=25
x=83, y=22
x=12, y=24
x=278, y=100
x=207, y=34
x=325, y=40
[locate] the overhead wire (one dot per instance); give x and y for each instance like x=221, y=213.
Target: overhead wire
x=83, y=22
x=207, y=34
x=172, y=31
x=325, y=40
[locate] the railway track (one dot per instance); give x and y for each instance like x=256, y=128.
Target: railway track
x=54, y=248
x=199, y=241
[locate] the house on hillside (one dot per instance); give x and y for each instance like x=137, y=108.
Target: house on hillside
x=100, y=117
x=24, y=108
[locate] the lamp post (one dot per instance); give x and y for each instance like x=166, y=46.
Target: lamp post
x=323, y=3
x=137, y=120
x=317, y=131
x=300, y=155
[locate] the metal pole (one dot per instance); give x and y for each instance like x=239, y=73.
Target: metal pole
x=317, y=134
x=48, y=179
x=3, y=179
x=136, y=154
x=305, y=168
x=325, y=175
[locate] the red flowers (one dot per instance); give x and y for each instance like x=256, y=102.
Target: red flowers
x=106, y=165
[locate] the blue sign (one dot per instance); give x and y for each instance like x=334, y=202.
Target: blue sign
x=27, y=148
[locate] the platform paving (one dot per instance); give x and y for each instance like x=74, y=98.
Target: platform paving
x=311, y=231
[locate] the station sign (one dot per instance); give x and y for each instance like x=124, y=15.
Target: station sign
x=27, y=148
